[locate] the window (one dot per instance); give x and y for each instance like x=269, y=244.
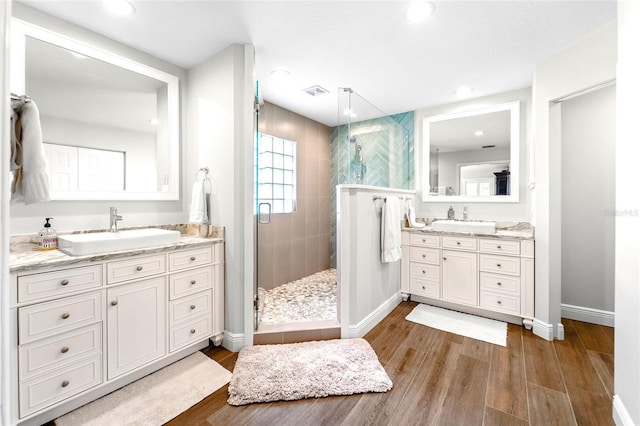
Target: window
x=276, y=174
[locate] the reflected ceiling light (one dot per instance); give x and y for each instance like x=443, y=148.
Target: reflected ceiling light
x=479, y=133
x=463, y=91
x=119, y=7
x=349, y=113
x=419, y=11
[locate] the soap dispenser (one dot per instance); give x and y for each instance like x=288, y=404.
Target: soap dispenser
x=48, y=236
x=451, y=214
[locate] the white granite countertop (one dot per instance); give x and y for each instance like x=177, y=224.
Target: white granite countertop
x=25, y=255
x=518, y=230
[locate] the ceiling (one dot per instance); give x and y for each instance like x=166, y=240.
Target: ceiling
x=369, y=46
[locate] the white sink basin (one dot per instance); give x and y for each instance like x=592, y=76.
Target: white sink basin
x=104, y=242
x=462, y=226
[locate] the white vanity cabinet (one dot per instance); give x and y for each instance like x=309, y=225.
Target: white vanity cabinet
x=486, y=276
x=85, y=329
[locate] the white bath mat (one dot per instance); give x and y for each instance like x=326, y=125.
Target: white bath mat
x=472, y=326
x=156, y=398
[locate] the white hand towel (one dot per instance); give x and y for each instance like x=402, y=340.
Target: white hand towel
x=198, y=212
x=390, y=230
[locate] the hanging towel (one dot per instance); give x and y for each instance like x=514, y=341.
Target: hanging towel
x=30, y=183
x=390, y=230
x=199, y=212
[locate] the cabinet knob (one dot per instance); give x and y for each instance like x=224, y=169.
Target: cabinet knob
x=193, y=331
x=499, y=247
x=65, y=384
x=498, y=265
x=458, y=242
x=499, y=284
x=499, y=302
x=424, y=256
x=139, y=268
x=423, y=287
x=444, y=258
x=64, y=282
x=65, y=315
x=114, y=303
x=64, y=350
x=193, y=258
x=424, y=272
x=193, y=306
x=424, y=240
x=193, y=282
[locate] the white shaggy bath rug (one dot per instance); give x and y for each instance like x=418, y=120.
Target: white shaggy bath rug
x=293, y=371
x=156, y=398
x=472, y=326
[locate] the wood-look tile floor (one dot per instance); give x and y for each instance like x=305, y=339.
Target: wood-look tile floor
x=445, y=379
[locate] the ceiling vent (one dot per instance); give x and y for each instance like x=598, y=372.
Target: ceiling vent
x=315, y=90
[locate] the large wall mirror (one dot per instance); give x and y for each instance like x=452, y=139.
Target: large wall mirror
x=110, y=125
x=472, y=156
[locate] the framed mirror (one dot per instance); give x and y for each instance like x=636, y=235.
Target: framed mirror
x=110, y=125
x=472, y=156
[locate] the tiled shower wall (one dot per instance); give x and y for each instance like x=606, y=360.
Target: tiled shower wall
x=297, y=244
x=387, y=151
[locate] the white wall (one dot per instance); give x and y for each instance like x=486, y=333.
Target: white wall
x=478, y=210
x=627, y=334
x=584, y=64
x=78, y=215
x=220, y=137
x=588, y=200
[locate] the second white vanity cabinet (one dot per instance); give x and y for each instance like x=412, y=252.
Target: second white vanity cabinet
x=481, y=275
x=94, y=325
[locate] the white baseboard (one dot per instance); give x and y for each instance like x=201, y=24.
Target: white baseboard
x=542, y=329
x=590, y=315
x=621, y=416
x=371, y=320
x=233, y=341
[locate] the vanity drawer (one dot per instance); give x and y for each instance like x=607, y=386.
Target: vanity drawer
x=500, y=302
x=45, y=390
x=190, y=258
x=46, y=319
x=429, y=288
x=500, y=283
x=423, y=239
x=190, y=282
x=459, y=243
x=52, y=284
x=423, y=271
x=190, y=306
x=137, y=267
x=59, y=350
x=500, y=264
x=498, y=246
x=427, y=255
x=190, y=332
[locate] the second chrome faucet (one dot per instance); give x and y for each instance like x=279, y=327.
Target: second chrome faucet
x=114, y=217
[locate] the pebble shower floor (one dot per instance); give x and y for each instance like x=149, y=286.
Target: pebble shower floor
x=311, y=298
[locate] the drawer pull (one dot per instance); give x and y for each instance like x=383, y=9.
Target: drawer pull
x=193, y=306
x=64, y=350
x=64, y=282
x=193, y=282
x=499, y=247
x=499, y=284
x=193, y=258
x=444, y=258
x=193, y=331
x=114, y=303
x=424, y=272
x=458, y=242
x=424, y=288
x=498, y=265
x=499, y=302
x=65, y=383
x=65, y=315
x=139, y=268
x=424, y=240
x=424, y=256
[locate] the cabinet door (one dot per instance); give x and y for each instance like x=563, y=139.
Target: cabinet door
x=136, y=325
x=460, y=277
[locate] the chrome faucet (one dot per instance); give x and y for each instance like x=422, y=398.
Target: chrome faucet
x=465, y=214
x=114, y=217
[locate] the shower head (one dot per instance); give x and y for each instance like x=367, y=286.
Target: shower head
x=351, y=139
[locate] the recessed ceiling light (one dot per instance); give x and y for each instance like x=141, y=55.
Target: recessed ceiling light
x=119, y=7
x=349, y=112
x=280, y=74
x=479, y=133
x=463, y=91
x=419, y=11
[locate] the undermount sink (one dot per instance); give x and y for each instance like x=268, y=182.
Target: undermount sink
x=464, y=226
x=104, y=242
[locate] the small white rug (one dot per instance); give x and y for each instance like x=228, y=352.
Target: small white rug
x=293, y=371
x=156, y=398
x=472, y=326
